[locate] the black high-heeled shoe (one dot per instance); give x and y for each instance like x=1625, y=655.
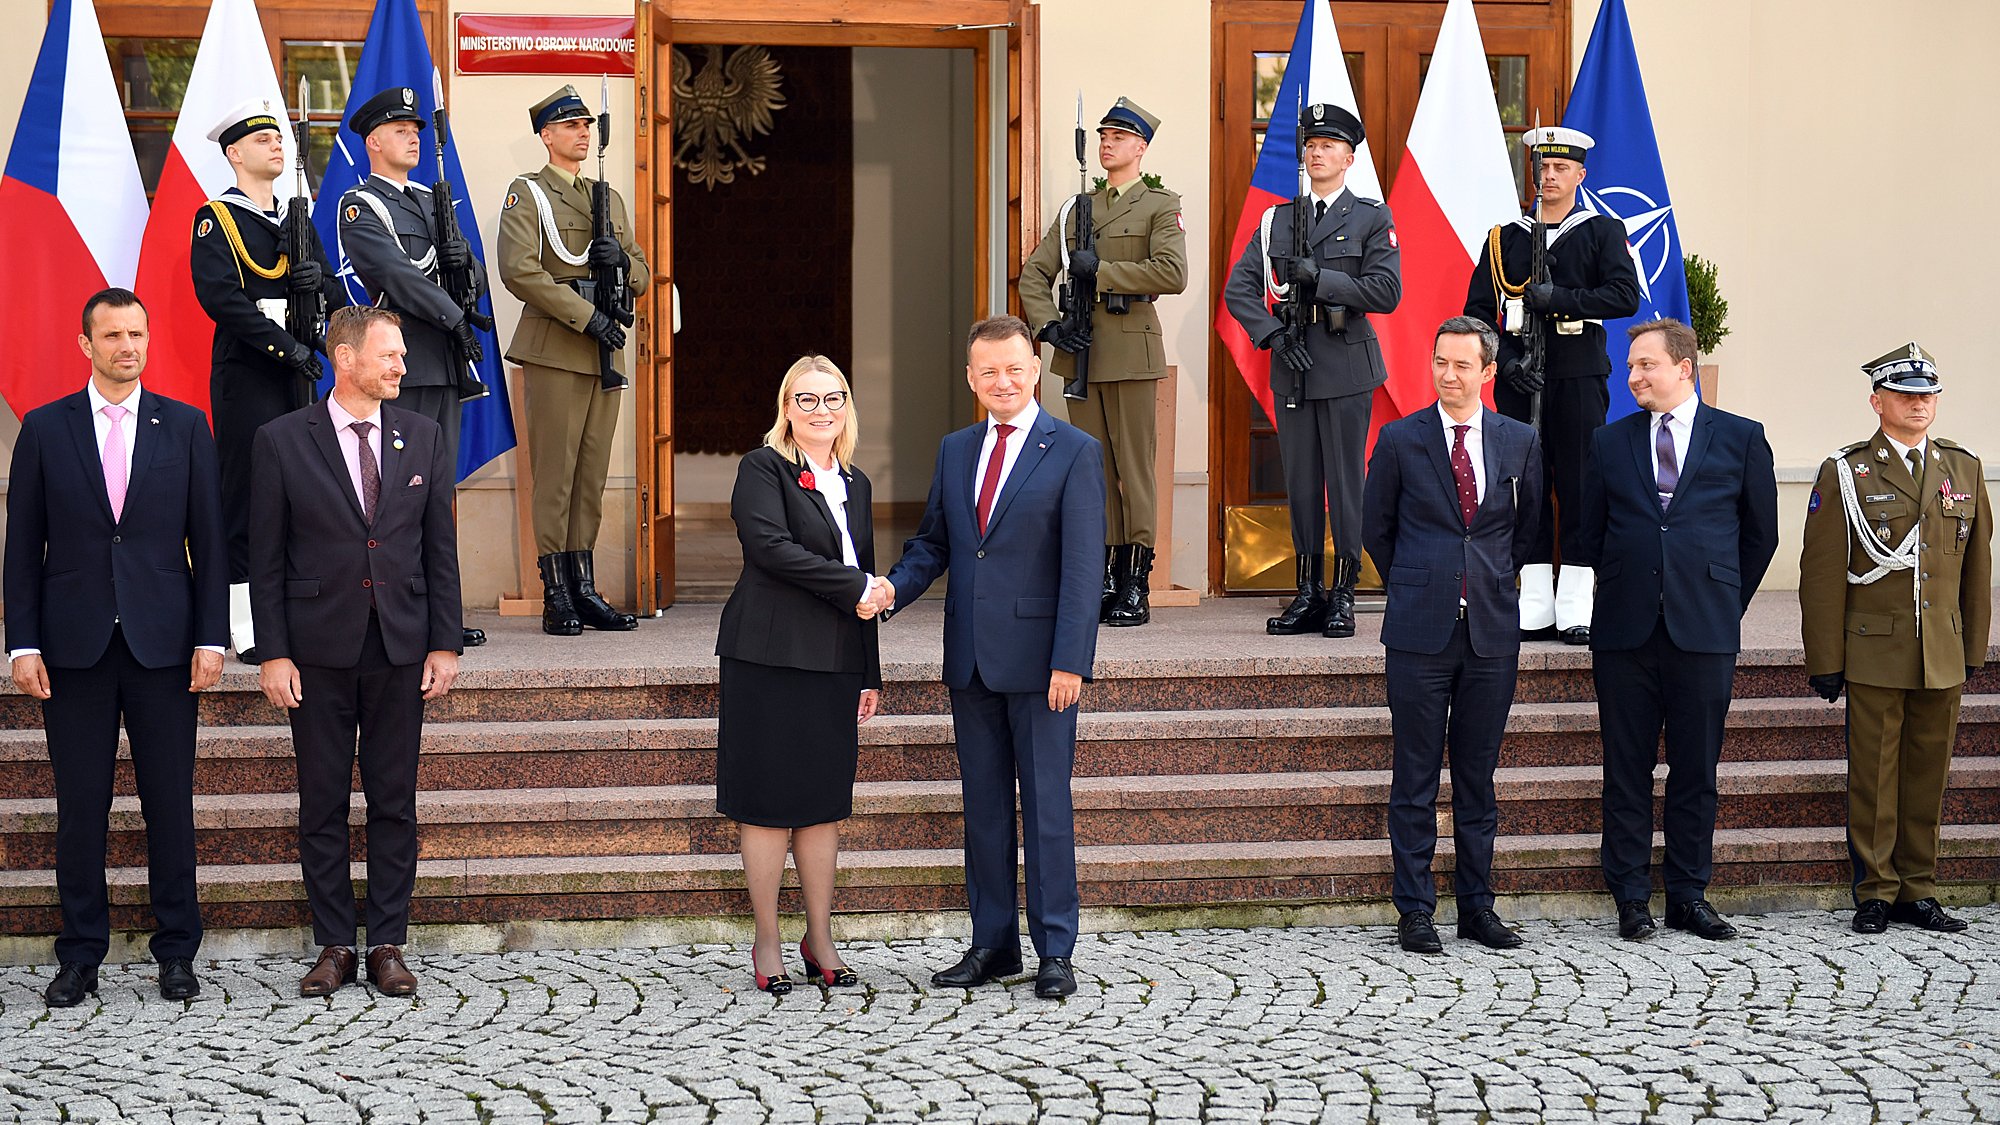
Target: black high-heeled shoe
x=840, y=976
x=776, y=986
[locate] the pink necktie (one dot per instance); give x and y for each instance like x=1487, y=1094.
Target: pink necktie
x=115, y=469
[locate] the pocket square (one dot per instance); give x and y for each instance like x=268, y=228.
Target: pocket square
x=415, y=481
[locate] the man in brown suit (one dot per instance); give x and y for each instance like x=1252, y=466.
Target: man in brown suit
x=546, y=249
x=1141, y=254
x=1895, y=584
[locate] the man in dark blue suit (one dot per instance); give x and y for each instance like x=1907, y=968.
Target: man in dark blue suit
x=1016, y=514
x=1680, y=520
x=117, y=587
x=1442, y=517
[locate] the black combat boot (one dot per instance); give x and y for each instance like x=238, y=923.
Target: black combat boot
x=558, y=610
x=1134, y=586
x=1340, y=597
x=591, y=608
x=1307, y=613
x=1112, y=568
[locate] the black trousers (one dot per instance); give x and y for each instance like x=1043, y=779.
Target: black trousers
x=1459, y=699
x=1641, y=692
x=1323, y=444
x=81, y=719
x=383, y=703
x=1572, y=409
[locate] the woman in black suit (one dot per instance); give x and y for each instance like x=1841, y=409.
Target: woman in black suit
x=800, y=667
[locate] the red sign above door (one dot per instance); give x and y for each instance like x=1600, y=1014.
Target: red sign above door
x=494, y=44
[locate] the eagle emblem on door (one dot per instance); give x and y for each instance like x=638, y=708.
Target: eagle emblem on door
x=732, y=98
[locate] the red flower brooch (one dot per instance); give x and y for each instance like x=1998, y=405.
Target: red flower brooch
x=806, y=479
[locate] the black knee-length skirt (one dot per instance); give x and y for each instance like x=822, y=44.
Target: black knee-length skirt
x=786, y=745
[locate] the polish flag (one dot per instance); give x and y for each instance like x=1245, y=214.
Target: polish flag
x=1315, y=73
x=232, y=66
x=1454, y=185
x=72, y=206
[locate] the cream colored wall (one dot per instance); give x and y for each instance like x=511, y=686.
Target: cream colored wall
x=1162, y=63
x=1825, y=155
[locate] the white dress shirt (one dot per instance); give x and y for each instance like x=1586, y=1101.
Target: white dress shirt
x=1681, y=429
x=1475, y=444
x=1903, y=451
x=1023, y=424
x=828, y=482
x=350, y=444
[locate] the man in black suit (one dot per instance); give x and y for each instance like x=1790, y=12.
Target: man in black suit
x=116, y=579
x=1680, y=520
x=1016, y=514
x=1442, y=516
x=354, y=581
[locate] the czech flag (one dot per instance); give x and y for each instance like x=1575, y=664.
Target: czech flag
x=232, y=66
x=1317, y=68
x=72, y=207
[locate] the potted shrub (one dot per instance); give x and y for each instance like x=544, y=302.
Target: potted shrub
x=1708, y=315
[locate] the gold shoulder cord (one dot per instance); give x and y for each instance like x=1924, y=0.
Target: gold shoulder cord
x=227, y=222
x=1502, y=288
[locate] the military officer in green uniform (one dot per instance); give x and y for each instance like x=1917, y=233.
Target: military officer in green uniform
x=1895, y=586
x=545, y=251
x=1140, y=255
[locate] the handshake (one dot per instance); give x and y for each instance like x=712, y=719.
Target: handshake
x=879, y=598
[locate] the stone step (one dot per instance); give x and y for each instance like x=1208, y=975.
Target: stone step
x=648, y=885
x=918, y=747
x=1335, y=674
x=1211, y=809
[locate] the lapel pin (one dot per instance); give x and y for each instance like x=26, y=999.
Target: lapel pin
x=398, y=443
x=156, y=421
x=1041, y=445
x=1881, y=455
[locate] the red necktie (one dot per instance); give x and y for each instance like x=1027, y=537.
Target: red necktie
x=990, y=483
x=1468, y=490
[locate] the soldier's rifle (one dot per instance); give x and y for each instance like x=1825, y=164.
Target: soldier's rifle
x=1534, y=324
x=609, y=289
x=460, y=283
x=1297, y=309
x=1078, y=295
x=305, y=308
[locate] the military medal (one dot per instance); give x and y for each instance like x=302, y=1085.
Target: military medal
x=1860, y=470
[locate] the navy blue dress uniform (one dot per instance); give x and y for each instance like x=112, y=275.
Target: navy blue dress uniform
x=257, y=372
x=1323, y=411
x=1593, y=279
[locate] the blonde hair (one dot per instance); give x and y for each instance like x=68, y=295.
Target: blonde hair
x=779, y=437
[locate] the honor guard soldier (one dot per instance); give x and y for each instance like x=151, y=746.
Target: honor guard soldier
x=546, y=252
x=1591, y=278
x=1895, y=589
x=387, y=234
x=1324, y=377
x=1139, y=255
x=257, y=370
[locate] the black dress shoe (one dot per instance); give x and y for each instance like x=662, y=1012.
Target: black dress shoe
x=1417, y=933
x=73, y=982
x=1576, y=635
x=472, y=638
x=1635, y=921
x=1872, y=916
x=1486, y=928
x=979, y=966
x=1545, y=633
x=1700, y=919
x=1926, y=912
x=177, y=979
x=1055, y=979
x=249, y=656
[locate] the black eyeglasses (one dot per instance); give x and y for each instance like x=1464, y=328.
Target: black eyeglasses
x=834, y=401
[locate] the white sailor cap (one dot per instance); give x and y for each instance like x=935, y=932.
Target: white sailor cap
x=244, y=120
x=1559, y=143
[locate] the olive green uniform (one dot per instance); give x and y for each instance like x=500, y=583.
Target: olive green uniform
x=1904, y=641
x=571, y=420
x=1142, y=248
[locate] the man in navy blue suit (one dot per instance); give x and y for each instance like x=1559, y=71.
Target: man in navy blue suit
x=117, y=587
x=1016, y=514
x=1680, y=520
x=1442, y=517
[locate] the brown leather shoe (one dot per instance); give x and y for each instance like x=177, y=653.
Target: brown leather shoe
x=334, y=968
x=388, y=974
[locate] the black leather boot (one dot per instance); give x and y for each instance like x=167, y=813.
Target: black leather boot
x=558, y=610
x=591, y=608
x=1340, y=597
x=1307, y=613
x=1134, y=586
x=1112, y=567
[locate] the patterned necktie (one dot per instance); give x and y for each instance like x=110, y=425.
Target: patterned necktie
x=117, y=474
x=1916, y=458
x=1670, y=469
x=990, y=484
x=1461, y=471
x=371, y=473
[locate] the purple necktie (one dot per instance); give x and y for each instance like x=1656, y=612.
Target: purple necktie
x=371, y=473
x=1670, y=469
x=117, y=474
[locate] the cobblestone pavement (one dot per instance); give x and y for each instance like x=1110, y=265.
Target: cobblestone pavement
x=1800, y=1020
